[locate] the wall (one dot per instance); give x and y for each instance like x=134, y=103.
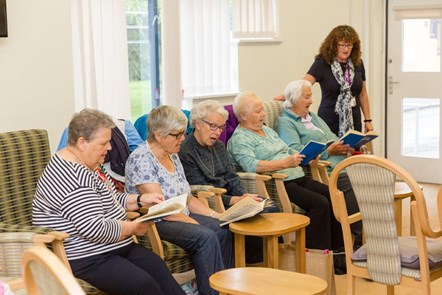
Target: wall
x=36, y=85
x=36, y=80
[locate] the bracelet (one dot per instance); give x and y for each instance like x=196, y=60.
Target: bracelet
x=367, y=120
x=212, y=214
x=139, y=201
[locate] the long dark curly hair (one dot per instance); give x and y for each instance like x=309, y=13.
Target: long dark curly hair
x=329, y=47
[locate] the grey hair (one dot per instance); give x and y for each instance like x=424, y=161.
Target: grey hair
x=165, y=120
x=201, y=110
x=293, y=92
x=241, y=103
x=86, y=123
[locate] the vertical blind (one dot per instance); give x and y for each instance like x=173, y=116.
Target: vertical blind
x=254, y=19
x=208, y=63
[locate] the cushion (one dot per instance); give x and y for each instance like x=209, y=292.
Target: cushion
x=409, y=253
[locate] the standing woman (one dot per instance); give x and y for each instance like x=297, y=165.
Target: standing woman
x=339, y=70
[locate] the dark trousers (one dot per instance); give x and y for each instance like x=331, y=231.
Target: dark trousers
x=324, y=231
x=132, y=269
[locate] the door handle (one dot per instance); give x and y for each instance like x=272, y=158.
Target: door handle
x=390, y=84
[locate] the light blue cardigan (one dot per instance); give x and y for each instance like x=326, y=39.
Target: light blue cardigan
x=293, y=132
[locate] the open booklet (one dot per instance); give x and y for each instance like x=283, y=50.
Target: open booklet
x=170, y=206
x=312, y=149
x=357, y=139
x=245, y=208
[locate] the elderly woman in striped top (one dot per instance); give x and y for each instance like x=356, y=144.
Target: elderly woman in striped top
x=74, y=197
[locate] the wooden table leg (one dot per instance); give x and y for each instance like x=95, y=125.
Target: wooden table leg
x=398, y=215
x=271, y=251
x=300, y=250
x=412, y=230
x=240, y=257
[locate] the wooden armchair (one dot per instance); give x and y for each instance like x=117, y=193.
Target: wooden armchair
x=12, y=246
x=44, y=273
x=386, y=258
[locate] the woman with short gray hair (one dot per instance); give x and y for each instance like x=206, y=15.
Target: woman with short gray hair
x=76, y=197
x=201, y=110
x=155, y=167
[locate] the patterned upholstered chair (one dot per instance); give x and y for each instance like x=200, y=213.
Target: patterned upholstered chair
x=386, y=258
x=23, y=157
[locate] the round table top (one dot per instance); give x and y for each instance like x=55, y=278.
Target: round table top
x=268, y=224
x=402, y=191
x=266, y=281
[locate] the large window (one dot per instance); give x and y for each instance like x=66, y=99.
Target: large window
x=142, y=17
x=204, y=47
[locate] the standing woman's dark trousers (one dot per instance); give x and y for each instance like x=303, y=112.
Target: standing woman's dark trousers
x=324, y=231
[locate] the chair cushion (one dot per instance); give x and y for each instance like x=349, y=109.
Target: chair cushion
x=409, y=253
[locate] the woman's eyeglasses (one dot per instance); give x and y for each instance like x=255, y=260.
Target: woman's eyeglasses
x=177, y=135
x=342, y=46
x=213, y=126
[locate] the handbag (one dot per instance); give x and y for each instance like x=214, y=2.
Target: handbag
x=318, y=263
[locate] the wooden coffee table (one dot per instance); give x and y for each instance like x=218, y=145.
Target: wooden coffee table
x=402, y=191
x=270, y=226
x=264, y=281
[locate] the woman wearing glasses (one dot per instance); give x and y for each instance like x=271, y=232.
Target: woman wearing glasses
x=156, y=167
x=339, y=70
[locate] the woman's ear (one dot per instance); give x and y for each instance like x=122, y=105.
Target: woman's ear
x=243, y=116
x=81, y=143
x=158, y=136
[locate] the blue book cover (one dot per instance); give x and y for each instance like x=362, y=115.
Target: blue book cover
x=356, y=139
x=312, y=149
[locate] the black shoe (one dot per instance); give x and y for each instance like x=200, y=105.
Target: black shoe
x=339, y=263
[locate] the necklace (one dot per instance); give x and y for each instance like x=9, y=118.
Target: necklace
x=77, y=158
x=210, y=169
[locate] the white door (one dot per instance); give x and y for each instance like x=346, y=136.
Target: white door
x=414, y=87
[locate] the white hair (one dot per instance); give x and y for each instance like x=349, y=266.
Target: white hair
x=293, y=92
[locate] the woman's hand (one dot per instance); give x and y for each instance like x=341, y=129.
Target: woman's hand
x=368, y=127
x=151, y=199
x=129, y=228
x=236, y=199
x=338, y=148
x=294, y=160
x=141, y=228
x=280, y=97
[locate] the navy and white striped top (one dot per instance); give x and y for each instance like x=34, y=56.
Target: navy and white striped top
x=72, y=199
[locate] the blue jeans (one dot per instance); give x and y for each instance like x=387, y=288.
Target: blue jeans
x=210, y=245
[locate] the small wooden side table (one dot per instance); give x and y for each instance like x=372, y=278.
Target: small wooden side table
x=265, y=281
x=402, y=191
x=270, y=226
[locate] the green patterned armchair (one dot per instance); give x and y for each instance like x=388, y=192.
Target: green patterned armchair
x=23, y=157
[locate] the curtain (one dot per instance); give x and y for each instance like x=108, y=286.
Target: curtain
x=208, y=57
x=101, y=75
x=254, y=19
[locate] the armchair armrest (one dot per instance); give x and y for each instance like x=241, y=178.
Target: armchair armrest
x=206, y=192
x=319, y=171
